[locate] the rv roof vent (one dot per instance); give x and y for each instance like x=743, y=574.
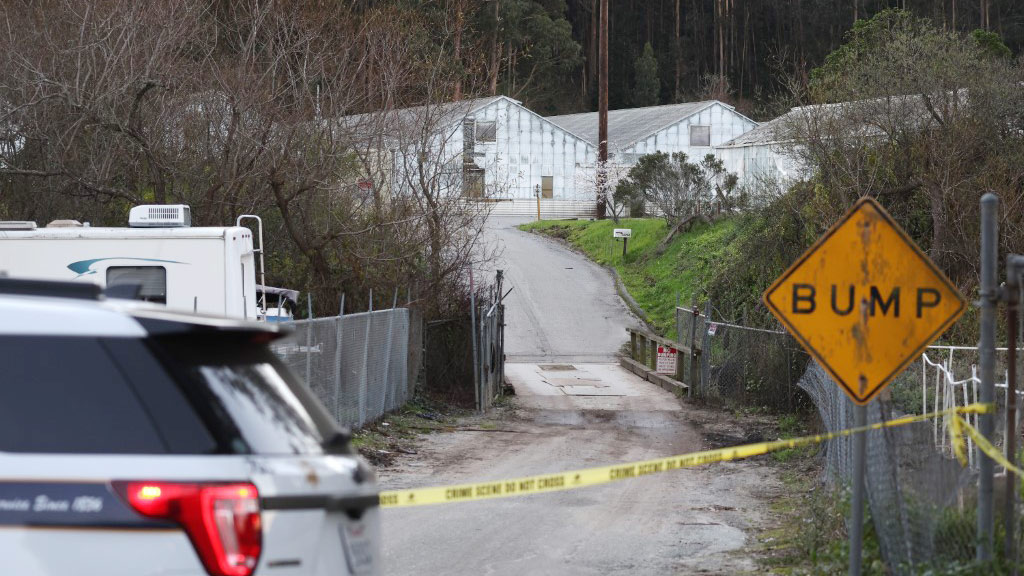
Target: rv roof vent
x=169, y=216
x=64, y=224
x=17, y=225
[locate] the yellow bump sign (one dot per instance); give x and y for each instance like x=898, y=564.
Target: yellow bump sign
x=864, y=301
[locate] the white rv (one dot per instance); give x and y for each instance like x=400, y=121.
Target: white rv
x=209, y=270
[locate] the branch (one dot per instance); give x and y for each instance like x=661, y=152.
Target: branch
x=905, y=189
x=931, y=110
x=88, y=185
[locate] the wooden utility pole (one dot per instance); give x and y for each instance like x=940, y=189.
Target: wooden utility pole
x=602, y=114
x=496, y=46
x=459, y=23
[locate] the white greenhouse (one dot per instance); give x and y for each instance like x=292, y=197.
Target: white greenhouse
x=491, y=149
x=763, y=153
x=694, y=128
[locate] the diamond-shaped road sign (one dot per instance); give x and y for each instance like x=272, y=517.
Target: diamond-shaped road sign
x=864, y=300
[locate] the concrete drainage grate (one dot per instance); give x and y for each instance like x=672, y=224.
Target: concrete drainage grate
x=556, y=367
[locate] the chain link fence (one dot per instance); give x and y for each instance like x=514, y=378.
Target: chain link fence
x=922, y=500
x=360, y=365
x=490, y=362
x=742, y=364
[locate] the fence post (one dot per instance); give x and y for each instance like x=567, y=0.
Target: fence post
x=501, y=347
x=652, y=359
x=364, y=384
x=743, y=381
x=387, y=355
x=693, y=345
x=705, y=353
x=679, y=322
x=1014, y=271
x=472, y=334
x=338, y=334
x=309, y=338
x=632, y=345
x=485, y=380
x=680, y=362
x=500, y=327
x=986, y=352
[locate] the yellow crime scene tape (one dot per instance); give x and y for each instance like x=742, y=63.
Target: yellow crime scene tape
x=606, y=474
x=960, y=446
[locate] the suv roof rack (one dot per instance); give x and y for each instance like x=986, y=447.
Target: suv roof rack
x=25, y=287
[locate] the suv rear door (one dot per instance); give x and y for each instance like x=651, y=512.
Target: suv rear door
x=80, y=416
x=321, y=508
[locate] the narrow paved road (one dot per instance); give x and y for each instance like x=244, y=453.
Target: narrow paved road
x=564, y=306
x=574, y=408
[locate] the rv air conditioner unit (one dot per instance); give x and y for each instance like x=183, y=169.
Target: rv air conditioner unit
x=160, y=216
x=17, y=225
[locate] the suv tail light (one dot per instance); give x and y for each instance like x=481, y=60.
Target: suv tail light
x=221, y=520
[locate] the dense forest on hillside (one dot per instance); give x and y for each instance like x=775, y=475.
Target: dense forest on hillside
x=230, y=107
x=748, y=52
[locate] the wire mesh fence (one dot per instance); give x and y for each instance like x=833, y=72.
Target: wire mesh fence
x=357, y=364
x=922, y=500
x=742, y=364
x=491, y=360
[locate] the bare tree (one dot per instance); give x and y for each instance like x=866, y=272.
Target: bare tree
x=928, y=120
x=283, y=109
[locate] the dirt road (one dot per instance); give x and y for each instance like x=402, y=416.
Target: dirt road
x=571, y=411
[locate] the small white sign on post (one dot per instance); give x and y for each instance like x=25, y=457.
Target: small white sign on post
x=622, y=233
x=667, y=358
x=712, y=329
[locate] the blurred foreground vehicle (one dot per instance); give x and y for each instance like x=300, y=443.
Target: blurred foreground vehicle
x=135, y=440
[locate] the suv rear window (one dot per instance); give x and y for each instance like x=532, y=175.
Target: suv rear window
x=183, y=394
x=66, y=395
x=246, y=384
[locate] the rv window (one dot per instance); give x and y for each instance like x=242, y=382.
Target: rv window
x=152, y=279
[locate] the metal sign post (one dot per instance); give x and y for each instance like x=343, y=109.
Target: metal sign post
x=864, y=301
x=625, y=234
x=860, y=444
x=1012, y=296
x=987, y=361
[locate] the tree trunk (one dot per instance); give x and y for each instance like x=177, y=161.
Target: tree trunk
x=682, y=225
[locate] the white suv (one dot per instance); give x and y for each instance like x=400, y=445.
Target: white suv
x=137, y=441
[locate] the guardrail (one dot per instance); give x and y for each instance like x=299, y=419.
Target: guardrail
x=643, y=361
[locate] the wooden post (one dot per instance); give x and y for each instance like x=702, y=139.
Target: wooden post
x=653, y=360
x=632, y=345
